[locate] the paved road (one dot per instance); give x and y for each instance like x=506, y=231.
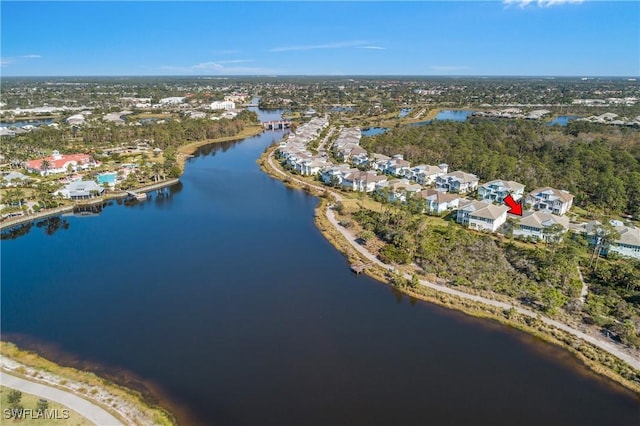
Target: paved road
x=610, y=347
x=92, y=412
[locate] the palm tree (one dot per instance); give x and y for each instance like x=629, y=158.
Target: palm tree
x=45, y=166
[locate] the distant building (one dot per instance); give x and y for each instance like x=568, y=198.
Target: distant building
x=174, y=100
x=60, y=163
x=226, y=105
x=629, y=242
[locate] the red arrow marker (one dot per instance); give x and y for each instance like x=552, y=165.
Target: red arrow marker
x=516, y=208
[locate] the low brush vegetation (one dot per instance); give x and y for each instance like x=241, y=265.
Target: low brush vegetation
x=543, y=276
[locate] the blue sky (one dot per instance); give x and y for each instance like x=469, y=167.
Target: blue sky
x=512, y=37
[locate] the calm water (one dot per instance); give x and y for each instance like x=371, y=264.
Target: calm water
x=22, y=123
x=404, y=112
x=457, y=115
x=372, y=131
x=222, y=295
x=562, y=120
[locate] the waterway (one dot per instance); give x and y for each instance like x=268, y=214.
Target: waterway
x=222, y=295
x=22, y=123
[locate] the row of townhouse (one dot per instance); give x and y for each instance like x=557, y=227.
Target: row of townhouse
x=293, y=151
x=398, y=181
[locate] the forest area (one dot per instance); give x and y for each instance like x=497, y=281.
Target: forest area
x=599, y=164
x=96, y=135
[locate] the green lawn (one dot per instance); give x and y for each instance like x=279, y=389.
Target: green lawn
x=30, y=402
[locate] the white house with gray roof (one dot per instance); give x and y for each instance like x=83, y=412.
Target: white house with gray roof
x=457, y=181
x=533, y=224
x=481, y=216
x=81, y=190
x=551, y=200
x=497, y=190
x=628, y=244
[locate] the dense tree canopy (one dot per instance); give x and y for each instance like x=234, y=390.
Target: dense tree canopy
x=600, y=165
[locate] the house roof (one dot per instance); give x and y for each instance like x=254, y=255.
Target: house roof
x=437, y=196
x=462, y=177
x=543, y=220
x=490, y=211
x=14, y=175
x=564, y=196
x=628, y=235
x=509, y=185
x=58, y=162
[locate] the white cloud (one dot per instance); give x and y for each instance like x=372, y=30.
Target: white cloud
x=372, y=47
x=541, y=3
x=449, y=68
x=225, y=52
x=6, y=61
x=336, y=45
x=218, y=67
x=31, y=56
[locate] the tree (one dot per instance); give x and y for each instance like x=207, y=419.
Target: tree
x=14, y=397
x=45, y=166
x=43, y=405
x=604, y=235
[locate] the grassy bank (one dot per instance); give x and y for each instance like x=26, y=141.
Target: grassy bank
x=119, y=400
x=593, y=357
x=30, y=402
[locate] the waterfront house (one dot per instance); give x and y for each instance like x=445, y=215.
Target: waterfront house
x=81, y=190
x=457, y=181
x=437, y=202
x=398, y=189
x=481, y=215
x=550, y=200
x=497, y=190
x=362, y=181
x=535, y=224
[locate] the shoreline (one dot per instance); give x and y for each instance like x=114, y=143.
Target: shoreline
x=599, y=356
x=186, y=151
x=125, y=404
x=20, y=220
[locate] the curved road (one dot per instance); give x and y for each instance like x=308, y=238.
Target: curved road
x=602, y=344
x=89, y=410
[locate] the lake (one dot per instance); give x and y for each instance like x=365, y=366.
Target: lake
x=220, y=297
x=22, y=123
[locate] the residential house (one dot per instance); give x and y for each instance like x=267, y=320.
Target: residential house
x=481, y=215
x=398, y=189
x=550, y=200
x=428, y=174
x=497, y=190
x=362, y=181
x=457, y=181
x=81, y=190
x=13, y=179
x=628, y=244
x=535, y=224
x=437, y=202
